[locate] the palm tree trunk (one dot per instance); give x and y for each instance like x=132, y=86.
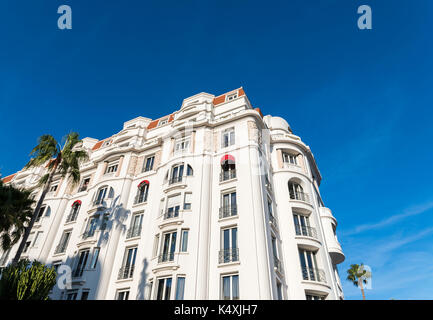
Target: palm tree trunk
x=32, y=221
x=362, y=290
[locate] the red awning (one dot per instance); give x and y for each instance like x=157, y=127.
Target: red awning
x=142, y=183
x=227, y=158
x=76, y=202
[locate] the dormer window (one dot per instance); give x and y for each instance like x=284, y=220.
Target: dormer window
x=106, y=143
x=232, y=96
x=162, y=122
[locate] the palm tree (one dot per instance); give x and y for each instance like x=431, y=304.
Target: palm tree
x=15, y=212
x=64, y=161
x=358, y=276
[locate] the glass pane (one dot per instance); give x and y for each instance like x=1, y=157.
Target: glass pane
x=226, y=288
x=184, y=241
x=180, y=288
x=160, y=289
x=235, y=285
x=167, y=289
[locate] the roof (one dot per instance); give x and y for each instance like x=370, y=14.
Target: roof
x=8, y=178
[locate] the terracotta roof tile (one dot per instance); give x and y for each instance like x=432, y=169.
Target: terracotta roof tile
x=98, y=145
x=259, y=111
x=8, y=178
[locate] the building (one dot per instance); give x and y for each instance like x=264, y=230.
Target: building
x=214, y=201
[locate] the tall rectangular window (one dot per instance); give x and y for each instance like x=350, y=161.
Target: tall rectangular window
x=173, y=206
x=180, y=288
x=279, y=291
x=63, y=242
x=176, y=174
x=112, y=167
x=149, y=287
x=168, y=247
x=309, y=267
x=228, y=137
x=230, y=287
x=37, y=239
x=229, y=245
x=135, y=228
x=122, y=294
x=40, y=213
x=229, y=206
x=155, y=245
x=91, y=226
x=95, y=257
x=148, y=163
x=127, y=269
x=187, y=201
x=290, y=158
x=84, y=184
x=182, y=145
x=81, y=264
x=184, y=241
x=164, y=289
x=302, y=226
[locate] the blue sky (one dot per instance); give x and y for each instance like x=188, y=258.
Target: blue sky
x=361, y=99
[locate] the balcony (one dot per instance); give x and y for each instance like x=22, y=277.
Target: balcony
x=229, y=255
x=301, y=196
x=175, y=180
x=125, y=272
x=313, y=274
x=228, y=211
x=227, y=175
x=61, y=248
x=305, y=231
x=277, y=265
x=166, y=257
x=133, y=232
x=171, y=214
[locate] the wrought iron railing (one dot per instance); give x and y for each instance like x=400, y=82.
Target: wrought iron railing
x=125, y=272
x=305, y=231
x=175, y=180
x=140, y=197
x=171, y=214
x=165, y=257
x=61, y=248
x=229, y=255
x=228, y=211
x=88, y=234
x=133, y=232
x=298, y=195
x=313, y=274
x=227, y=175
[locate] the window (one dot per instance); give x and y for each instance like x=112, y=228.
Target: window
x=82, y=261
x=148, y=295
x=84, y=184
x=228, y=168
x=270, y=210
x=184, y=241
x=229, y=245
x=232, y=96
x=122, y=294
x=85, y=295
x=111, y=168
x=309, y=266
x=91, y=227
x=142, y=192
x=297, y=192
x=148, y=164
x=181, y=145
x=230, y=287
x=189, y=171
x=289, y=158
x=127, y=269
x=37, y=239
x=100, y=195
x=53, y=188
x=176, y=174
x=228, y=138
x=314, y=297
x=61, y=248
x=95, y=257
x=26, y=246
x=71, y=295
x=164, y=289
x=180, y=288
x=187, y=201
x=279, y=291
x=135, y=228
x=173, y=207
x=168, y=247
x=74, y=211
x=40, y=213
x=302, y=226
x=228, y=207
x=162, y=122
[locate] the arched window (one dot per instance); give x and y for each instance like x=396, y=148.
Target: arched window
x=102, y=193
x=297, y=192
x=142, y=191
x=189, y=171
x=228, y=168
x=74, y=211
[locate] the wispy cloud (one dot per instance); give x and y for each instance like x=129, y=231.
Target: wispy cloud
x=413, y=211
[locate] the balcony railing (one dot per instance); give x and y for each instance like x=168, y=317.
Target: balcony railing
x=175, y=180
x=140, y=198
x=273, y=220
x=61, y=248
x=229, y=255
x=277, y=265
x=313, y=274
x=171, y=214
x=227, y=175
x=302, y=196
x=71, y=217
x=98, y=202
x=88, y=234
x=125, y=272
x=133, y=232
x=165, y=257
x=305, y=231
x=228, y=211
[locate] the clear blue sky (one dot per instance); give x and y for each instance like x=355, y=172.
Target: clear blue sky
x=361, y=99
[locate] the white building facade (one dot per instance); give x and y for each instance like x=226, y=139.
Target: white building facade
x=215, y=201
